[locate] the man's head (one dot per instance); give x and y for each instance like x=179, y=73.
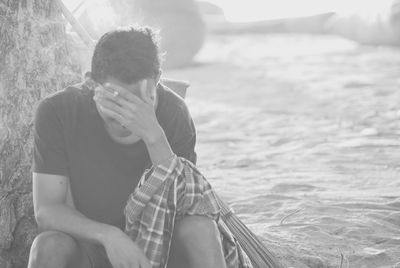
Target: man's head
x=126, y=58
x=127, y=55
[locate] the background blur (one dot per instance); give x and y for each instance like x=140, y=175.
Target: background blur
x=255, y=10
x=296, y=104
x=297, y=110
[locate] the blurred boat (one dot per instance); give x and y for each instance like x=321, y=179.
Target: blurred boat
x=379, y=27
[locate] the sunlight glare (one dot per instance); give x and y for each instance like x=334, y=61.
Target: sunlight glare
x=100, y=12
x=254, y=10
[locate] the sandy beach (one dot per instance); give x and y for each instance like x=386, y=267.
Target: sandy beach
x=300, y=134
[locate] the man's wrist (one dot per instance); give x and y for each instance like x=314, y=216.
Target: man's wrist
x=158, y=148
x=110, y=231
x=155, y=137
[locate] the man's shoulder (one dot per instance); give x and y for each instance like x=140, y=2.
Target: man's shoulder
x=64, y=104
x=170, y=101
x=173, y=114
x=67, y=97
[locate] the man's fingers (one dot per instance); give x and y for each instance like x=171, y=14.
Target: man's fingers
x=117, y=99
x=124, y=104
x=114, y=115
x=122, y=93
x=111, y=105
x=118, y=93
x=109, y=93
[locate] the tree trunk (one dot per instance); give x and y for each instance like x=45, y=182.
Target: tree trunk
x=34, y=62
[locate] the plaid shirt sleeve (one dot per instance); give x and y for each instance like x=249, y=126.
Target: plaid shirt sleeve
x=172, y=189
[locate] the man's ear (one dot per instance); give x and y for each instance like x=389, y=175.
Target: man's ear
x=158, y=77
x=147, y=90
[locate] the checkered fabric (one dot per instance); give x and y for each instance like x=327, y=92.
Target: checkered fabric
x=166, y=192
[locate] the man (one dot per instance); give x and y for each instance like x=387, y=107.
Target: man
x=90, y=150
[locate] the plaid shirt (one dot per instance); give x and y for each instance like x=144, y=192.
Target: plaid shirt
x=166, y=192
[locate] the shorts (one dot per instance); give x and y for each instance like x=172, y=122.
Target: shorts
x=97, y=255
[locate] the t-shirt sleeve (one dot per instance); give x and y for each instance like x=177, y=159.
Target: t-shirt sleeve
x=184, y=138
x=49, y=154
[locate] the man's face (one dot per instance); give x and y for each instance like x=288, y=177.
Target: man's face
x=141, y=89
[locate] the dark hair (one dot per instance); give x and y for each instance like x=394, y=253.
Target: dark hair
x=127, y=55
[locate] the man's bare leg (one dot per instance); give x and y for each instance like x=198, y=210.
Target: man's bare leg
x=196, y=243
x=56, y=249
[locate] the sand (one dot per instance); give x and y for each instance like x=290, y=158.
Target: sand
x=300, y=134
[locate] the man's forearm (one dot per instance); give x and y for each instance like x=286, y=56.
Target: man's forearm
x=68, y=220
x=158, y=148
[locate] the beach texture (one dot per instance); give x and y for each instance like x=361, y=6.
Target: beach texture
x=300, y=134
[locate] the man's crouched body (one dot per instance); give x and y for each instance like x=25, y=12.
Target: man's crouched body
x=93, y=144
x=195, y=243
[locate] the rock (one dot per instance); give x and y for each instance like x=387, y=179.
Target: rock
x=7, y=220
x=26, y=232
x=5, y=263
x=37, y=62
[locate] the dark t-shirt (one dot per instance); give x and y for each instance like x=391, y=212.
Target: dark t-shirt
x=70, y=139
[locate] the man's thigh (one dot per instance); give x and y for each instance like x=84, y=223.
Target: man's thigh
x=57, y=249
x=96, y=255
x=196, y=242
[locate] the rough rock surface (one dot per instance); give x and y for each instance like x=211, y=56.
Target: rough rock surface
x=34, y=62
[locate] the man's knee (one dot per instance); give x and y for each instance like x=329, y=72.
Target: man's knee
x=198, y=240
x=51, y=248
x=196, y=228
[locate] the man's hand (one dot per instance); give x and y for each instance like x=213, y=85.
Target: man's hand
x=134, y=113
x=123, y=252
x=137, y=115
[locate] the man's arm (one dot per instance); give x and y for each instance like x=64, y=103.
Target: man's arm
x=53, y=204
x=53, y=211
x=52, y=199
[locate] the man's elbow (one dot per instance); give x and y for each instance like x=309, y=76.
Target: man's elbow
x=42, y=217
